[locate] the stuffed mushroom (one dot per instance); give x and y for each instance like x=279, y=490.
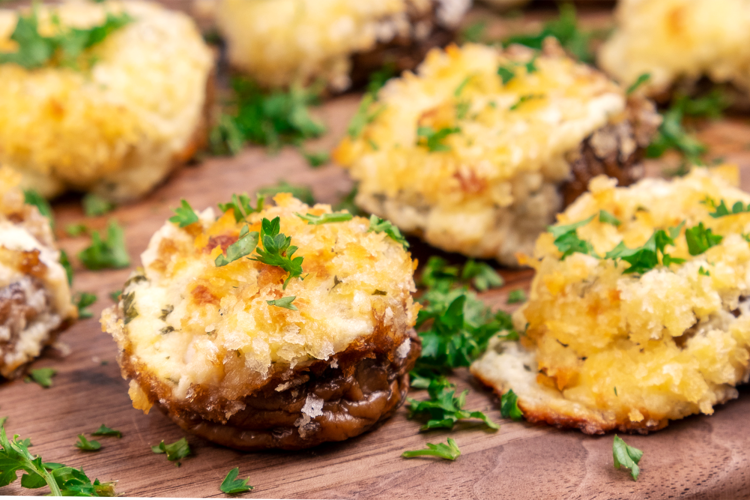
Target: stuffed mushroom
x=638, y=313
x=115, y=101
x=338, y=42
x=479, y=149
x=278, y=327
x=35, y=302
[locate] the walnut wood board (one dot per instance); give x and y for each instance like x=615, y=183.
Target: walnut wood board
x=699, y=457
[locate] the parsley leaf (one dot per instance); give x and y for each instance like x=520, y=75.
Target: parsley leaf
x=316, y=158
x=608, y=218
x=241, y=206
x=481, y=275
x=699, y=239
x=448, y=451
x=645, y=77
x=626, y=456
x=285, y=302
x=94, y=205
x=86, y=445
x=62, y=480
x=42, y=376
x=109, y=253
x=325, y=218
x=379, y=225
x=509, y=406
x=703, y=272
x=721, y=209
x=74, y=230
x=646, y=257
x=302, y=193
x=433, y=140
x=525, y=98
x=82, y=301
x=31, y=197
x=379, y=78
x=506, y=73
x=106, y=431
x=65, y=262
x=185, y=215
x=245, y=244
x=175, y=451
x=232, y=486
x=444, y=409
x=278, y=250
x=473, y=33
x=364, y=117
x=567, y=240
x=516, y=296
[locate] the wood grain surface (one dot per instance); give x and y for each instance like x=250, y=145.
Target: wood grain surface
x=699, y=457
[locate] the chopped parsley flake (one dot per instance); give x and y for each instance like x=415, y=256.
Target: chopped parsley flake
x=86, y=445
x=699, y=239
x=448, y=451
x=481, y=275
x=285, y=302
x=42, y=376
x=721, y=210
x=525, y=98
x=108, y=253
x=185, y=215
x=444, y=408
x=506, y=73
x=325, y=218
x=379, y=225
x=645, y=77
x=65, y=262
x=31, y=197
x=567, y=240
x=433, y=140
x=82, y=301
x=316, y=158
x=703, y=272
x=364, y=116
x=509, y=406
x=646, y=257
x=175, y=451
x=626, y=456
x=106, y=431
x=516, y=296
x=232, y=486
x=608, y=218
x=94, y=205
x=245, y=244
x=74, y=230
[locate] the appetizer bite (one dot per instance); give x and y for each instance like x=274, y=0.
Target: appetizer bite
x=679, y=44
x=104, y=97
x=281, y=42
x=279, y=327
x=480, y=149
x=638, y=313
x=35, y=302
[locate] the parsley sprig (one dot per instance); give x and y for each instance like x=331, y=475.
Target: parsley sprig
x=379, y=225
x=325, y=218
x=626, y=456
x=433, y=139
x=509, y=406
x=721, y=210
x=646, y=257
x=32, y=197
x=232, y=486
x=278, y=249
x=42, y=376
x=700, y=238
x=107, y=253
x=448, y=451
x=285, y=302
x=184, y=215
x=444, y=408
x=61, y=480
x=175, y=451
x=245, y=244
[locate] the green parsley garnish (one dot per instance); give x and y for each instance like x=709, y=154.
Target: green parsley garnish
x=94, y=205
x=285, y=302
x=185, y=215
x=61, y=480
x=703, y=272
x=42, y=376
x=278, y=250
x=639, y=81
x=325, y=218
x=379, y=225
x=427, y=136
x=82, y=301
x=241, y=206
x=506, y=73
x=444, y=409
x=270, y=118
x=481, y=275
x=516, y=296
x=473, y=33
x=461, y=86
x=106, y=431
x=232, y=486
x=364, y=116
x=86, y=445
x=608, y=218
x=74, y=230
x=699, y=239
x=567, y=240
x=448, y=451
x=525, y=98
x=302, y=193
x=31, y=197
x=65, y=262
x=626, y=456
x=64, y=48
x=379, y=78
x=245, y=244
x=721, y=210
x=175, y=451
x=509, y=406
x=108, y=253
x=316, y=158
x=646, y=257
x=129, y=310
x=438, y=274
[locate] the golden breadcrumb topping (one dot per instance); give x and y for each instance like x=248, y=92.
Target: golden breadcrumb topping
x=615, y=348
x=117, y=127
x=184, y=319
x=675, y=40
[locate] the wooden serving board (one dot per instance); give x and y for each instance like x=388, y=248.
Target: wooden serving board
x=699, y=457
